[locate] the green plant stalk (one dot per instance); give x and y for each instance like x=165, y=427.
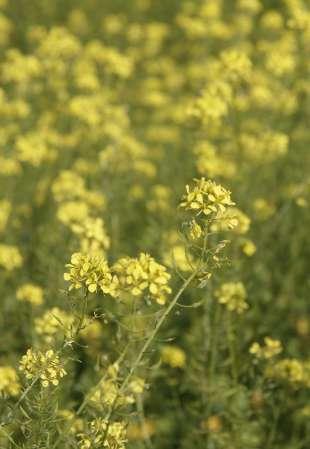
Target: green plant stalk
x=147, y=344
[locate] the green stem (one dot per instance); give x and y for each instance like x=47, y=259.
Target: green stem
x=148, y=343
x=82, y=316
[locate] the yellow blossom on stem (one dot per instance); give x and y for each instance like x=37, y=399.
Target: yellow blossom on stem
x=47, y=367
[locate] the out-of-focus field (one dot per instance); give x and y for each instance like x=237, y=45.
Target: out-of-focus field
x=154, y=224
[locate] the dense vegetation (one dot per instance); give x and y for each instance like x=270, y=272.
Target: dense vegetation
x=154, y=224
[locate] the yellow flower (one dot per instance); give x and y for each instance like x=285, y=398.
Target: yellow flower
x=91, y=272
x=143, y=275
x=268, y=351
x=45, y=366
x=9, y=166
x=9, y=383
x=92, y=233
x=206, y=197
x=101, y=433
x=232, y=219
x=72, y=211
x=195, y=231
x=10, y=257
x=30, y=293
x=293, y=371
x=137, y=385
x=248, y=247
x=236, y=65
x=173, y=356
x=213, y=105
x=233, y=296
x=54, y=323
x=210, y=161
x=68, y=185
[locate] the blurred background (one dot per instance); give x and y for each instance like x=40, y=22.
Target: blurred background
x=108, y=108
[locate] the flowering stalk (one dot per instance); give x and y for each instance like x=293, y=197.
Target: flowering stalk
x=147, y=344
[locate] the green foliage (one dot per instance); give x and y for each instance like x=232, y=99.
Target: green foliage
x=154, y=217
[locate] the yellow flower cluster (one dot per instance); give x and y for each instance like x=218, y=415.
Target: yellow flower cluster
x=72, y=212
x=78, y=208
x=9, y=166
x=95, y=143
x=92, y=234
x=30, y=293
x=213, y=104
x=107, y=392
x=235, y=65
x=143, y=275
x=33, y=149
x=248, y=247
x=133, y=276
x=293, y=371
x=54, y=323
x=173, y=356
x=9, y=383
x=10, y=257
x=136, y=386
x=46, y=367
x=264, y=147
x=195, y=230
x=128, y=154
x=233, y=296
x=270, y=349
x=68, y=186
x=104, y=434
x=232, y=219
x=91, y=272
x=211, y=162
x=159, y=201
x=206, y=197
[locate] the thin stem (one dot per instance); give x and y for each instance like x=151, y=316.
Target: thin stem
x=148, y=343
x=85, y=400
x=84, y=403
x=8, y=436
x=82, y=316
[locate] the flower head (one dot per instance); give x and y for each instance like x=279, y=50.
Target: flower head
x=53, y=323
x=233, y=296
x=143, y=275
x=206, y=197
x=173, y=356
x=268, y=351
x=46, y=366
x=91, y=272
x=104, y=434
x=10, y=257
x=9, y=384
x=30, y=293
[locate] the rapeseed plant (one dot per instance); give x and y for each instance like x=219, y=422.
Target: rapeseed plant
x=134, y=316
